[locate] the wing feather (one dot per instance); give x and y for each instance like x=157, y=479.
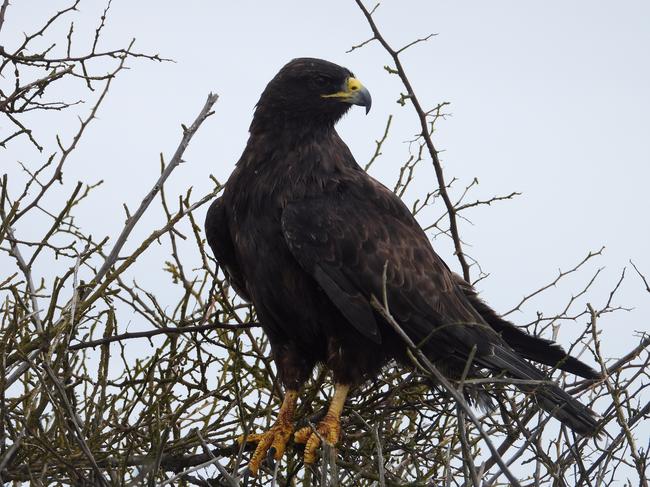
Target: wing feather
x=345, y=239
x=217, y=233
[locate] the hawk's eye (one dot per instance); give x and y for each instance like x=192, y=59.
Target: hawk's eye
x=322, y=80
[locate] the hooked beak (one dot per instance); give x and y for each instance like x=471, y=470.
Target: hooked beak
x=353, y=92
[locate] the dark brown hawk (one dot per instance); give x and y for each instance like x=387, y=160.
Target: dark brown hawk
x=303, y=233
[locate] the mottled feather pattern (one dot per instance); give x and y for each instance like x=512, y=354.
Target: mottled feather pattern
x=306, y=234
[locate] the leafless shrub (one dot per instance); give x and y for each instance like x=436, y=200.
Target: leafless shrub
x=78, y=408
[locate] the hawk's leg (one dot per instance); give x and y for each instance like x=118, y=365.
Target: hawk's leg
x=277, y=436
x=329, y=429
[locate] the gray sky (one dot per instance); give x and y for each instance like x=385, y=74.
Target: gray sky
x=548, y=98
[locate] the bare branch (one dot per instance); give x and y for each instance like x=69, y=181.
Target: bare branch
x=425, y=134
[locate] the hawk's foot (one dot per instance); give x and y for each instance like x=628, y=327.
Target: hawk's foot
x=273, y=443
x=328, y=430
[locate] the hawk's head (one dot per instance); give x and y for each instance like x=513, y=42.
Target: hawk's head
x=310, y=92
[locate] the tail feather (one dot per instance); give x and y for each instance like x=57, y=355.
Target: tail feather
x=528, y=346
x=541, y=350
x=550, y=397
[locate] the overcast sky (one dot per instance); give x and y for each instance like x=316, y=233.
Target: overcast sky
x=547, y=98
x=550, y=99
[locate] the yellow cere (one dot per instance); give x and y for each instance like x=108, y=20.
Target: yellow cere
x=354, y=84
x=351, y=87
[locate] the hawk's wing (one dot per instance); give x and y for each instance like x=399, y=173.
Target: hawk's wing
x=345, y=238
x=218, y=234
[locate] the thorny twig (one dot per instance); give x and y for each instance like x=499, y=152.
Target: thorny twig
x=81, y=401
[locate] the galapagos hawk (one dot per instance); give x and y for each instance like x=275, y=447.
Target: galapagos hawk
x=306, y=236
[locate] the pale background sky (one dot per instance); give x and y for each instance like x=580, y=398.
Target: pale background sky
x=548, y=98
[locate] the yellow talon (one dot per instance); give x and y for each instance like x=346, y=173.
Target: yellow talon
x=276, y=437
x=254, y=438
x=302, y=435
x=329, y=429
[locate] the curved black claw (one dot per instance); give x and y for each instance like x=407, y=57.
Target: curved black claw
x=245, y=477
x=270, y=457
